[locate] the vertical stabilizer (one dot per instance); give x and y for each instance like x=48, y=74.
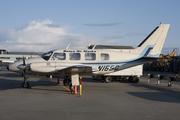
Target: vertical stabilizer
x=155, y=40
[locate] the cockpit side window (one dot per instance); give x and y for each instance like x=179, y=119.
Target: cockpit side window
x=59, y=56
x=74, y=56
x=47, y=55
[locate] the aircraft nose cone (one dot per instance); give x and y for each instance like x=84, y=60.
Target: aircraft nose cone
x=8, y=67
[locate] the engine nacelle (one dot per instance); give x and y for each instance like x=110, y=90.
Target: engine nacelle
x=45, y=67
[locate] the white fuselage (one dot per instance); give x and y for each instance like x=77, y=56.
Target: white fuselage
x=101, y=61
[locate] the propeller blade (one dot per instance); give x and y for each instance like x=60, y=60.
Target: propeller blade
x=24, y=64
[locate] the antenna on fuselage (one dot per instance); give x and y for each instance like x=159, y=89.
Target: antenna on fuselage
x=94, y=46
x=68, y=46
x=89, y=44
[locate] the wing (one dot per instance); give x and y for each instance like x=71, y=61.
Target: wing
x=76, y=69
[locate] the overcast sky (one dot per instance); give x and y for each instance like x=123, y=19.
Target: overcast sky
x=43, y=25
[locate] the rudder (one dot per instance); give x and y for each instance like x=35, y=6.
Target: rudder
x=155, y=39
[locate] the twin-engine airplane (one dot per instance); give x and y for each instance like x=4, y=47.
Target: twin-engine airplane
x=74, y=62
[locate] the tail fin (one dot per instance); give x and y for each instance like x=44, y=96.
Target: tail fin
x=153, y=43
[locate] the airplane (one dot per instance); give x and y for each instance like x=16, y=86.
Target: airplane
x=74, y=62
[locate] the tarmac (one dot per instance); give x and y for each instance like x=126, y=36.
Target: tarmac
x=99, y=101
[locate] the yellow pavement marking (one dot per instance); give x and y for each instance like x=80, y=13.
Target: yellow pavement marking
x=65, y=87
x=110, y=88
x=99, y=88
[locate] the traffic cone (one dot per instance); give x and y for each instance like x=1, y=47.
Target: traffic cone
x=58, y=82
x=75, y=89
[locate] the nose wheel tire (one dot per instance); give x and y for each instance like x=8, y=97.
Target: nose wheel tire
x=25, y=85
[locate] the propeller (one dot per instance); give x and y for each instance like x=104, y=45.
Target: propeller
x=22, y=66
x=25, y=84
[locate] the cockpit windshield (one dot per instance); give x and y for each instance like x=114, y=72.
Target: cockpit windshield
x=47, y=55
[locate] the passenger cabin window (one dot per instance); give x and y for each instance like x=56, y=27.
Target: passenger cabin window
x=59, y=56
x=90, y=56
x=74, y=56
x=104, y=56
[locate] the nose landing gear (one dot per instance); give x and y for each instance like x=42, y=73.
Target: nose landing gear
x=25, y=84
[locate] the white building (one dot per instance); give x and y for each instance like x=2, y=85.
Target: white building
x=10, y=57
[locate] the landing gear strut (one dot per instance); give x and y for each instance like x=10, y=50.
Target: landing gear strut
x=25, y=84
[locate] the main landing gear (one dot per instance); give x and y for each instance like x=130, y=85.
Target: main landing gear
x=74, y=81
x=71, y=81
x=66, y=81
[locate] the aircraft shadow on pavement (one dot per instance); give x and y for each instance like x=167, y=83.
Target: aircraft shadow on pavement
x=6, y=84
x=160, y=94
x=56, y=90
x=11, y=75
x=3, y=68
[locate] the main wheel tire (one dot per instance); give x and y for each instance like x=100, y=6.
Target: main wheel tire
x=66, y=82
x=107, y=79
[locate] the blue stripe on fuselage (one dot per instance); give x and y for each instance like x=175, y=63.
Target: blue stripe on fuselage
x=147, y=50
